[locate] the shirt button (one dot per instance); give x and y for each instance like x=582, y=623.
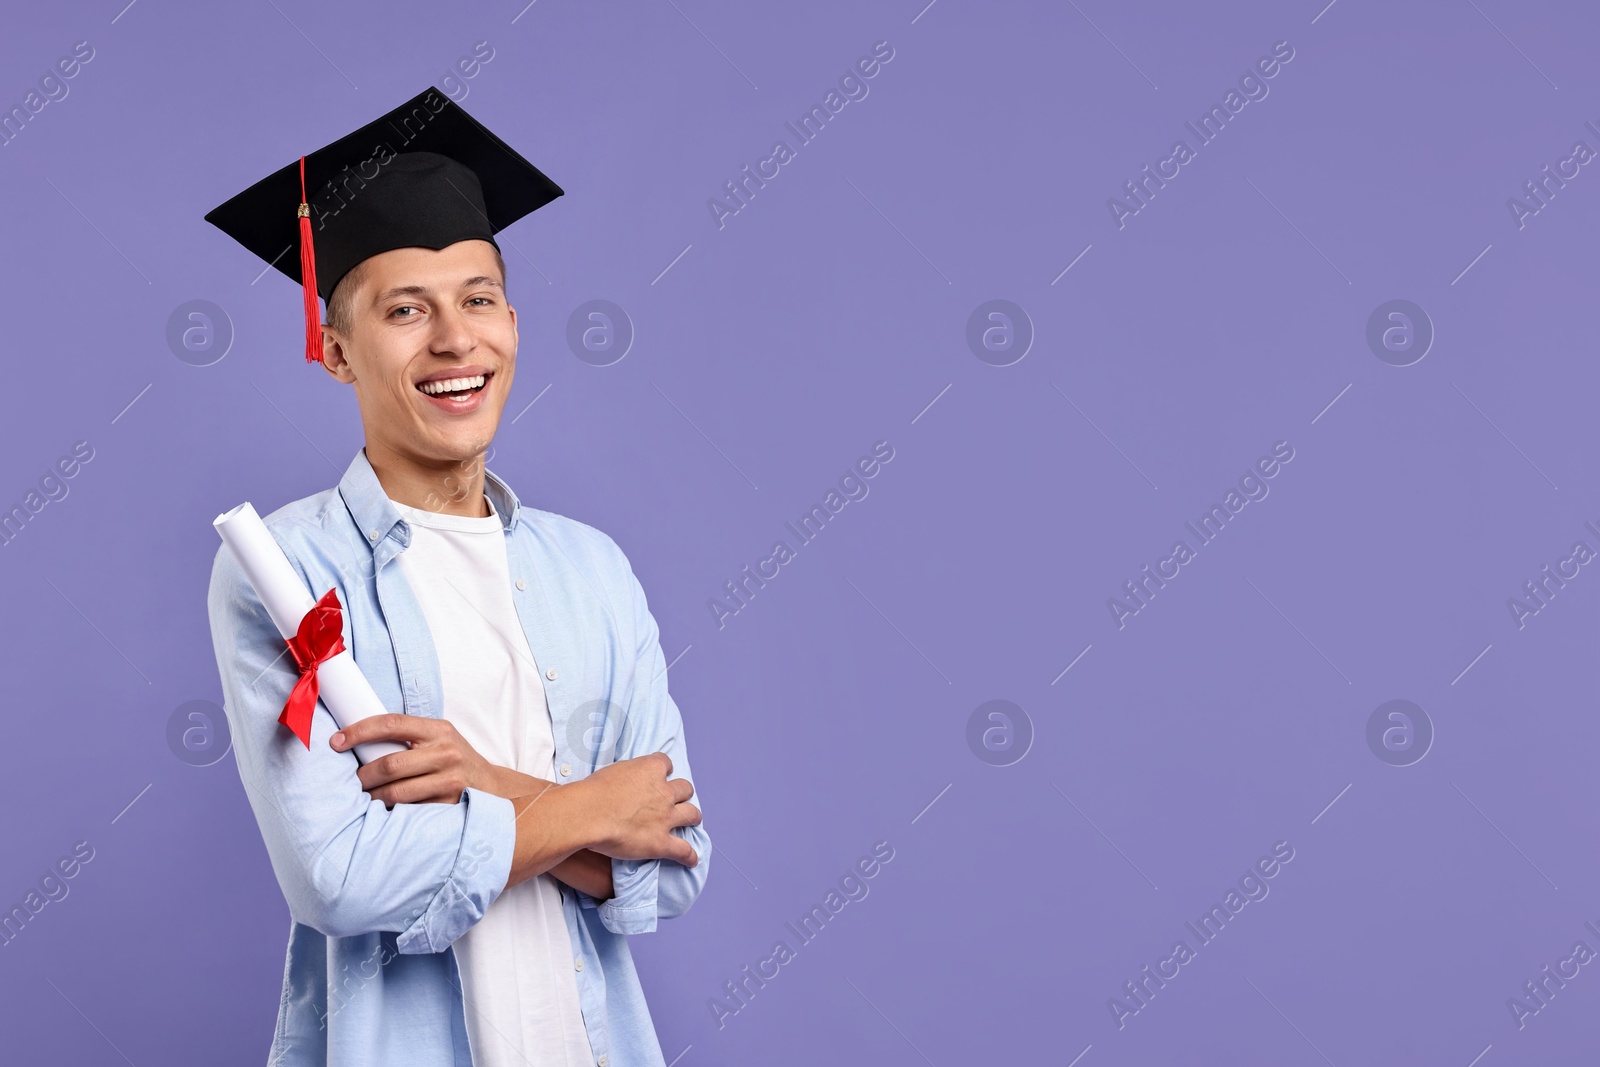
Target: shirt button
x=566, y=770
x=373, y=536
x=601, y=1061
x=521, y=584
x=550, y=674
x=578, y=963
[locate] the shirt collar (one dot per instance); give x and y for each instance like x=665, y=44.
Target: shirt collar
x=506, y=504
x=377, y=516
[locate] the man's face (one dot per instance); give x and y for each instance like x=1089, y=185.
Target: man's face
x=420, y=317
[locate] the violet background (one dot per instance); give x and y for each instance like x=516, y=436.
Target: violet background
x=832, y=711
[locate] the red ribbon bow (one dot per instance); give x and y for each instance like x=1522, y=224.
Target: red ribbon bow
x=319, y=638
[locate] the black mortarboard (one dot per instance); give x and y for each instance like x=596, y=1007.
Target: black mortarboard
x=426, y=174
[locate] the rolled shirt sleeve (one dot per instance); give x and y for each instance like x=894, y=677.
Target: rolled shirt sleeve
x=347, y=865
x=646, y=890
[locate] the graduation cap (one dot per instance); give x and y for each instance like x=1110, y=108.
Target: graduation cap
x=426, y=175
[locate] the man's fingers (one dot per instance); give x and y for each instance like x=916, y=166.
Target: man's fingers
x=423, y=789
x=686, y=815
x=680, y=851
x=682, y=789
x=667, y=770
x=380, y=771
x=386, y=727
x=395, y=766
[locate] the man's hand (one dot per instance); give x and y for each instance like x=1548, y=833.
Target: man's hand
x=635, y=806
x=434, y=770
x=629, y=807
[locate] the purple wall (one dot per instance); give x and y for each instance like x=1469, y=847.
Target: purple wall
x=1150, y=755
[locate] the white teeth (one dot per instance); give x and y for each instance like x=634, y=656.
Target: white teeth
x=452, y=385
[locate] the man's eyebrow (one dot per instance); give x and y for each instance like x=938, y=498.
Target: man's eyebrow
x=400, y=290
x=422, y=290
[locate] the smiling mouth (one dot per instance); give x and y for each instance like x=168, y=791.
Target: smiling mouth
x=456, y=389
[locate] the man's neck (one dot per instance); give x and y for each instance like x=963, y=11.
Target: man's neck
x=449, y=489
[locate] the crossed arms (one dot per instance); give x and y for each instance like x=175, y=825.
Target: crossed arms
x=624, y=810
x=441, y=833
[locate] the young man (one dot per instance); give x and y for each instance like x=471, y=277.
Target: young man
x=466, y=900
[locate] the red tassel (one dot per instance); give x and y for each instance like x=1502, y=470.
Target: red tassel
x=308, y=275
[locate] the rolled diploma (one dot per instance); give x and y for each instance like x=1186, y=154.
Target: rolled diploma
x=341, y=685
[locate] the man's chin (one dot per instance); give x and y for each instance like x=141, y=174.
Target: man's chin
x=461, y=453
x=439, y=451
x=460, y=437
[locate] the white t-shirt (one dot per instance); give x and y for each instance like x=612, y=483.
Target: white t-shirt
x=518, y=966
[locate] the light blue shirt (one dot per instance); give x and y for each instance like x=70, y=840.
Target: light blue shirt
x=377, y=895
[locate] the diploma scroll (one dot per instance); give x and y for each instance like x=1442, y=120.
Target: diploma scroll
x=342, y=687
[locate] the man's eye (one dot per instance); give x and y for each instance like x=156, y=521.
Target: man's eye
x=397, y=310
x=484, y=299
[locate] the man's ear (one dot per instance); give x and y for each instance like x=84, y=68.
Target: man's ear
x=334, y=358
